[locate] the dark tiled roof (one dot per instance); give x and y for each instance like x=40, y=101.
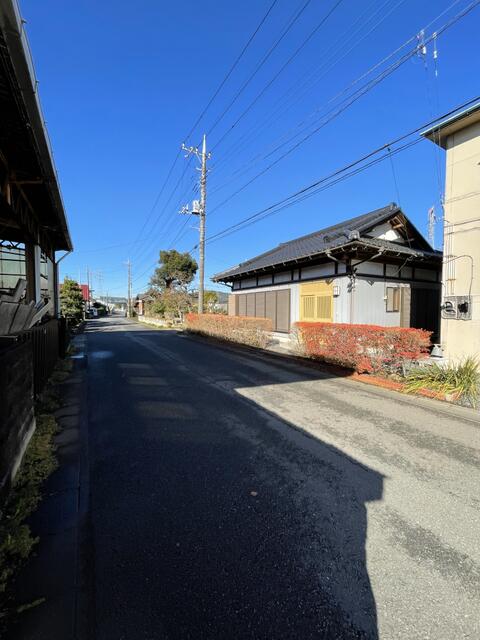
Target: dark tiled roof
x=348, y=231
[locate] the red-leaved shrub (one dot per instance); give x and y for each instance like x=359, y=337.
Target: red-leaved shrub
x=362, y=347
x=252, y=331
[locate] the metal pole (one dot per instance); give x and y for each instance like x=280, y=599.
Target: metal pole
x=89, y=293
x=203, y=156
x=129, y=290
x=203, y=203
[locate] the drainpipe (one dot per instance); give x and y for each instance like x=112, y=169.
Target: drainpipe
x=57, y=285
x=351, y=275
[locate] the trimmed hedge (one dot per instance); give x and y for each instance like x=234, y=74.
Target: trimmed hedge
x=254, y=332
x=361, y=347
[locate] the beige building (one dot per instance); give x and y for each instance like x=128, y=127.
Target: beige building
x=460, y=323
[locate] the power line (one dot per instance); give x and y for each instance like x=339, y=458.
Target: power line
x=447, y=25
x=348, y=102
x=232, y=68
x=205, y=109
x=295, y=199
x=159, y=195
x=160, y=215
x=262, y=62
x=334, y=113
x=290, y=24
x=279, y=72
x=272, y=117
x=333, y=178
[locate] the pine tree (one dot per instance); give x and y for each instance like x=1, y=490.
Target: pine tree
x=175, y=270
x=71, y=299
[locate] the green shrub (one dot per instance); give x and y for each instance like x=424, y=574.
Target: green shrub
x=461, y=380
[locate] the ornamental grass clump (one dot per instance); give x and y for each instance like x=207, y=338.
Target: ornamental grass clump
x=459, y=380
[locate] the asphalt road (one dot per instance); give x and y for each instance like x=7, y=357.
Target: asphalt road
x=238, y=496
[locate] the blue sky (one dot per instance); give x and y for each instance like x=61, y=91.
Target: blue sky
x=122, y=84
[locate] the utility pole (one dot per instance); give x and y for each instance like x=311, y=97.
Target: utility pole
x=203, y=157
x=89, y=291
x=100, y=284
x=129, y=289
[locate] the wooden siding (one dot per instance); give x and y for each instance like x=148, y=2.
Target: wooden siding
x=242, y=305
x=232, y=305
x=283, y=310
x=271, y=306
x=260, y=304
x=250, y=305
x=265, y=304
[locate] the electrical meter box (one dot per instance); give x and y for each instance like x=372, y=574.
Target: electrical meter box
x=457, y=308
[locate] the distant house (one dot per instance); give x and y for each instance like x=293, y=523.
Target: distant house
x=85, y=292
x=373, y=269
x=140, y=302
x=459, y=135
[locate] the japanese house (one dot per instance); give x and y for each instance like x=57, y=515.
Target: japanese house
x=375, y=268
x=33, y=228
x=33, y=223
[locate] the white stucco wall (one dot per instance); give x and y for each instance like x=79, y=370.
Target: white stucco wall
x=369, y=304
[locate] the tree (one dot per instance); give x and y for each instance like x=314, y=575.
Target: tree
x=210, y=299
x=175, y=270
x=170, y=303
x=71, y=300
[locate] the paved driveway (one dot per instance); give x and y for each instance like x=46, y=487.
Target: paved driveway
x=237, y=496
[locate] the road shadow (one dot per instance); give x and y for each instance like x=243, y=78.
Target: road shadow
x=262, y=527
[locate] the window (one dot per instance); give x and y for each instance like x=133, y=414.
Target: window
x=12, y=266
x=316, y=302
x=308, y=307
x=393, y=299
x=324, y=307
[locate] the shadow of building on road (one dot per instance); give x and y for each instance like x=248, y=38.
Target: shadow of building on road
x=262, y=527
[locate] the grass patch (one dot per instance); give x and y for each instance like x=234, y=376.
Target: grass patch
x=460, y=380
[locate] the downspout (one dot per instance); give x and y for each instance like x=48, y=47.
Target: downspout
x=351, y=275
x=57, y=285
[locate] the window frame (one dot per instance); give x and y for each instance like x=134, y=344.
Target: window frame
x=392, y=305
